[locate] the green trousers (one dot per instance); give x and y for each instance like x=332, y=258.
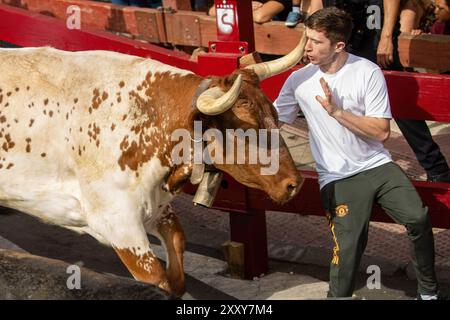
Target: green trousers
x=348, y=203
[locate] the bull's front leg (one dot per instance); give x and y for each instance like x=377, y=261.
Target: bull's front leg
x=169, y=230
x=124, y=231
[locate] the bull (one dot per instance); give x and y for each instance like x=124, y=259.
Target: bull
x=85, y=143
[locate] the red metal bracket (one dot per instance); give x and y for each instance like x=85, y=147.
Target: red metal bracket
x=236, y=47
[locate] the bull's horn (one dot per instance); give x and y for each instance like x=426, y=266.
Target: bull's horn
x=214, y=101
x=268, y=69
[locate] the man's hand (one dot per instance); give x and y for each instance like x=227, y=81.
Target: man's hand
x=385, y=52
x=327, y=102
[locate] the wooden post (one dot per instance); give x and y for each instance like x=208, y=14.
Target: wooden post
x=234, y=254
x=177, y=4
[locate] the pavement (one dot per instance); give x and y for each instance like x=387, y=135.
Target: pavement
x=299, y=246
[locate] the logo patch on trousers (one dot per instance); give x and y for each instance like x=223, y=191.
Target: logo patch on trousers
x=342, y=210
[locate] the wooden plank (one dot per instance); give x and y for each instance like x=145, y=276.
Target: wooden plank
x=141, y=23
x=161, y=26
x=275, y=38
x=177, y=4
x=425, y=51
x=208, y=30
x=234, y=255
x=29, y=29
x=187, y=28
x=183, y=28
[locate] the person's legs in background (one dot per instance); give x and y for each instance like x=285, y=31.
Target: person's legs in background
x=430, y=157
x=301, y=9
x=295, y=16
x=419, y=138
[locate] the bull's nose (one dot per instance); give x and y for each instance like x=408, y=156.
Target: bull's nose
x=292, y=185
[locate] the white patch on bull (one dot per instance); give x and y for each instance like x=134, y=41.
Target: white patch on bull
x=87, y=193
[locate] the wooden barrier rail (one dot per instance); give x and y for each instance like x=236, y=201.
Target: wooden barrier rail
x=413, y=96
x=196, y=29
x=187, y=28
x=425, y=51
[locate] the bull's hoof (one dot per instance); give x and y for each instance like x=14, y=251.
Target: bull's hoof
x=178, y=292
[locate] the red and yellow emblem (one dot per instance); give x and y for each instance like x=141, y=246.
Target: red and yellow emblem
x=342, y=210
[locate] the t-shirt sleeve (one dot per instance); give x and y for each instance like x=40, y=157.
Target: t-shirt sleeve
x=376, y=99
x=286, y=104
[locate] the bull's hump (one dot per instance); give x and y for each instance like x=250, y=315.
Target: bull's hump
x=89, y=103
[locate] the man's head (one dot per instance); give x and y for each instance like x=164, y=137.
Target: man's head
x=328, y=31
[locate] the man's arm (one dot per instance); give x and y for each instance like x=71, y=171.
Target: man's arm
x=286, y=104
x=367, y=127
x=385, y=51
x=266, y=12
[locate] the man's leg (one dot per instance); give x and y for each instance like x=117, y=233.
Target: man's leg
x=418, y=136
x=400, y=200
x=295, y=16
x=348, y=204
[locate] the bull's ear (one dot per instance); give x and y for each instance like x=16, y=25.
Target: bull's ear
x=249, y=59
x=194, y=115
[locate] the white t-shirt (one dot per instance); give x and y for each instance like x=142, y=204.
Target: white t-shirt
x=358, y=87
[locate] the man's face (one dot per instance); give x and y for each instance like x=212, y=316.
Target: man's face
x=442, y=11
x=319, y=49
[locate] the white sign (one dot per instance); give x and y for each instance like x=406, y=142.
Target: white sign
x=225, y=18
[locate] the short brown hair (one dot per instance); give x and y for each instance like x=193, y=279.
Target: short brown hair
x=335, y=23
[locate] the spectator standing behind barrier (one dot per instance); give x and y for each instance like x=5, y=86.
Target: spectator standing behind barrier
x=415, y=14
x=442, y=13
x=381, y=46
x=266, y=10
x=440, y=26
x=301, y=9
x=345, y=101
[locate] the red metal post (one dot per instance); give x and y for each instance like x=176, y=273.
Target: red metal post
x=234, y=21
x=235, y=37
x=250, y=229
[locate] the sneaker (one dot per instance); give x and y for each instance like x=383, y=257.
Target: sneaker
x=293, y=19
x=438, y=296
x=443, y=177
